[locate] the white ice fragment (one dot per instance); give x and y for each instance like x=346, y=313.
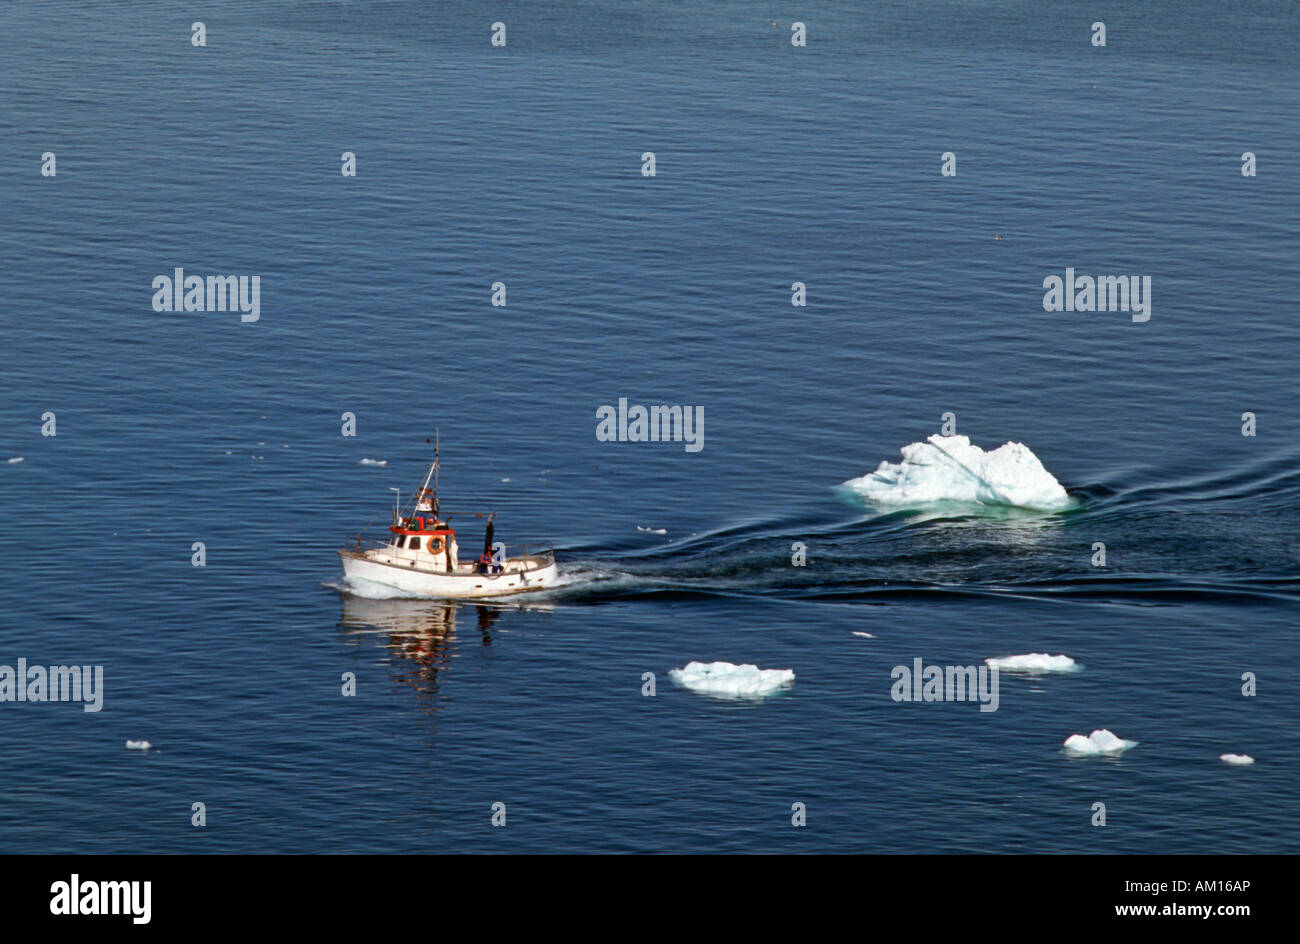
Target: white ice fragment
x=724, y=678
x=864, y=635
x=950, y=468
x=15, y=460
x=138, y=745
x=1237, y=760
x=375, y=462
x=1095, y=744
x=1034, y=663
x=653, y=530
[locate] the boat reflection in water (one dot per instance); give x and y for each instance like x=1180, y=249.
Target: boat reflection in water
x=421, y=635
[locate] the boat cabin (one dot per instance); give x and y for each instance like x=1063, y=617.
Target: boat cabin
x=427, y=540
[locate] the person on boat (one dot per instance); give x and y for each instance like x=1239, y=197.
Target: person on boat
x=487, y=560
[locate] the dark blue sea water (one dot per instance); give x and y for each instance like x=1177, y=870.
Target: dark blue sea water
x=775, y=164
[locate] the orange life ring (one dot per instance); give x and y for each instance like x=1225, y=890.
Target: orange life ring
x=435, y=545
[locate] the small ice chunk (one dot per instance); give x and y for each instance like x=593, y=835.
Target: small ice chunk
x=724, y=678
x=1097, y=743
x=653, y=530
x=138, y=745
x=864, y=635
x=15, y=460
x=1034, y=663
x=506, y=479
x=375, y=462
x=1237, y=760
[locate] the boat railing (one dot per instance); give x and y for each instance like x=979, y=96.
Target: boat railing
x=543, y=549
x=357, y=543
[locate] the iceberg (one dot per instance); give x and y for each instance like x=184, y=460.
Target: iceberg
x=950, y=468
x=1095, y=744
x=737, y=681
x=1034, y=663
x=1237, y=760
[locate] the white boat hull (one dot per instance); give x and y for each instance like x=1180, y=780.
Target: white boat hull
x=518, y=575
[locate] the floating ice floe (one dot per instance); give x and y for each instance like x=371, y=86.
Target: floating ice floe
x=138, y=745
x=1034, y=663
x=377, y=462
x=1237, y=760
x=950, y=468
x=653, y=530
x=864, y=635
x=723, y=678
x=1096, y=743
x=15, y=460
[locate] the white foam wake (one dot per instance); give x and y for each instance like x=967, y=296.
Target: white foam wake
x=1096, y=743
x=950, y=468
x=737, y=681
x=1034, y=663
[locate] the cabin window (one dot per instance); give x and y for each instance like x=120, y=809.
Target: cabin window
x=399, y=541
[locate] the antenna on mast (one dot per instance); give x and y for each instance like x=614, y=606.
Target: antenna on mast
x=426, y=498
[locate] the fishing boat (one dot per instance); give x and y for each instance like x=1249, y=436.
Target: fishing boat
x=421, y=555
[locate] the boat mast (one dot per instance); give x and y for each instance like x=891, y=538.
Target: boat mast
x=433, y=474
